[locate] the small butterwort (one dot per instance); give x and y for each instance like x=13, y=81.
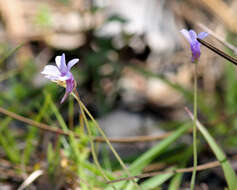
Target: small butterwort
x=61, y=74
x=191, y=36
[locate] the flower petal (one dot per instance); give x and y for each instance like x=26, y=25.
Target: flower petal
x=70, y=85
x=195, y=48
x=186, y=35
x=202, y=35
x=61, y=63
x=58, y=60
x=64, y=97
x=53, y=78
x=192, y=35
x=72, y=63
x=63, y=78
x=51, y=70
x=69, y=88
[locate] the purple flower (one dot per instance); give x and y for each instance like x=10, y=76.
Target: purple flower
x=61, y=74
x=191, y=36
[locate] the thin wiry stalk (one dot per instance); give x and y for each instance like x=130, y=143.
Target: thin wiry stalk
x=105, y=137
x=194, y=129
x=92, y=144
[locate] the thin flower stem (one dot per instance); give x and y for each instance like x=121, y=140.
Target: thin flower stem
x=228, y=170
x=105, y=137
x=194, y=129
x=92, y=144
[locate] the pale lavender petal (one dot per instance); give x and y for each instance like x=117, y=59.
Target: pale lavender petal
x=192, y=35
x=72, y=63
x=61, y=63
x=63, y=66
x=202, y=35
x=186, y=35
x=51, y=70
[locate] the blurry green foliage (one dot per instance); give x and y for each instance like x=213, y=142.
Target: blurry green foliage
x=43, y=16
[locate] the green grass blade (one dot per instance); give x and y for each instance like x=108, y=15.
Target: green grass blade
x=58, y=115
x=156, y=181
x=8, y=142
x=32, y=134
x=143, y=160
x=151, y=154
x=175, y=182
x=229, y=173
x=11, y=52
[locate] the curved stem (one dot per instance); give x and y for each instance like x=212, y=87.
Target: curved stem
x=93, y=146
x=194, y=130
x=105, y=137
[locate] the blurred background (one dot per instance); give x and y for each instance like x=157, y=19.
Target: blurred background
x=134, y=75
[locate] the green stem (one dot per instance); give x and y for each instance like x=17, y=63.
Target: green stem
x=105, y=137
x=229, y=172
x=194, y=129
x=92, y=143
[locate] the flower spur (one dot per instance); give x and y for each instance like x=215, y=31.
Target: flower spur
x=61, y=74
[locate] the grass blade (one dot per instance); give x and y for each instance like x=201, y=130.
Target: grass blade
x=229, y=173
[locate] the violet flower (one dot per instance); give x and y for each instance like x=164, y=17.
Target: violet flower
x=61, y=74
x=191, y=36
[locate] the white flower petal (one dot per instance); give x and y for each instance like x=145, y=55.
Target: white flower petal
x=58, y=60
x=51, y=70
x=186, y=35
x=52, y=78
x=63, y=78
x=72, y=63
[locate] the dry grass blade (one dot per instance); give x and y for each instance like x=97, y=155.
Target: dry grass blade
x=97, y=139
x=32, y=177
x=181, y=170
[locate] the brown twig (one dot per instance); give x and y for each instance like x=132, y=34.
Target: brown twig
x=181, y=170
x=218, y=51
x=32, y=122
x=97, y=139
x=218, y=38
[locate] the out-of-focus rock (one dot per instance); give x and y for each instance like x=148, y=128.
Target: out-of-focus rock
x=5, y=186
x=159, y=35
x=133, y=89
x=70, y=22
x=161, y=94
x=121, y=123
x=65, y=41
